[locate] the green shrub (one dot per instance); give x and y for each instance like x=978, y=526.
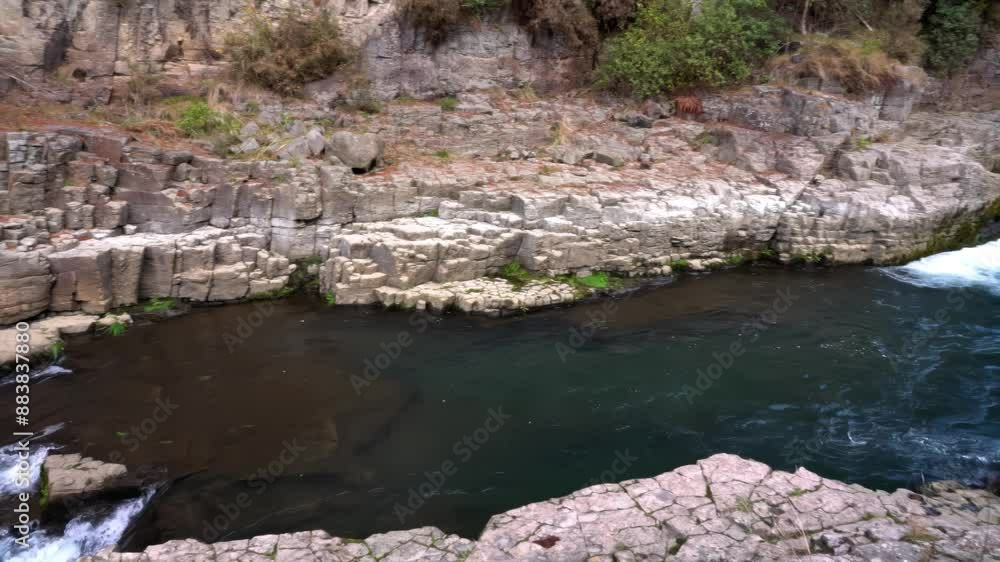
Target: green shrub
x=680, y=265
x=330, y=298
x=300, y=47
x=448, y=104
x=668, y=48
x=199, y=120
x=515, y=273
x=952, y=33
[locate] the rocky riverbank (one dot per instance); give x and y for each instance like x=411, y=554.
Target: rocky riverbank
x=722, y=508
x=93, y=220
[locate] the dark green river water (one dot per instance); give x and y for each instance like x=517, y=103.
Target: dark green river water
x=857, y=374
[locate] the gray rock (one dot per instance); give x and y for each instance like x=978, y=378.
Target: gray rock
x=296, y=150
x=25, y=280
x=72, y=475
x=316, y=141
x=722, y=508
x=356, y=151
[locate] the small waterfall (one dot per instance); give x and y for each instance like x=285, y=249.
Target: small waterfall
x=978, y=266
x=86, y=533
x=9, y=460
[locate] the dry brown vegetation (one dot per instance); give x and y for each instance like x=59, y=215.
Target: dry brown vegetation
x=613, y=15
x=301, y=46
x=435, y=17
x=570, y=20
x=859, y=67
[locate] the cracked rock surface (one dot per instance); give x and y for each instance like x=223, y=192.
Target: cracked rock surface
x=723, y=508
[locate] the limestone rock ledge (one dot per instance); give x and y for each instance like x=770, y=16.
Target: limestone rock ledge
x=723, y=508
x=92, y=220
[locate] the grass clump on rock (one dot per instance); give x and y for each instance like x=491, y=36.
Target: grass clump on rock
x=160, y=305
x=860, y=66
x=302, y=46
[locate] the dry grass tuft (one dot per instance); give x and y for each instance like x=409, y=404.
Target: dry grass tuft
x=569, y=19
x=156, y=128
x=302, y=46
x=860, y=67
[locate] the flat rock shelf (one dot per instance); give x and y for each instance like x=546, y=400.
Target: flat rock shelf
x=723, y=508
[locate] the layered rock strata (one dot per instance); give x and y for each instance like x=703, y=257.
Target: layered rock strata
x=722, y=508
x=93, y=220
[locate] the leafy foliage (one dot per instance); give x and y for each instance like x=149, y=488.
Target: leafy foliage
x=516, y=274
x=302, y=46
x=952, y=33
x=199, y=120
x=116, y=328
x=668, y=48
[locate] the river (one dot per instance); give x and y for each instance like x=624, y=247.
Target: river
x=293, y=416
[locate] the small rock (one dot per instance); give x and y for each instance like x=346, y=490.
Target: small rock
x=249, y=130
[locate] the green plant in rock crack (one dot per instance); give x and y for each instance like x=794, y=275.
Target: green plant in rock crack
x=160, y=305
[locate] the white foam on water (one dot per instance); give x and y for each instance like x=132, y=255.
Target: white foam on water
x=48, y=372
x=971, y=267
x=10, y=459
x=82, y=536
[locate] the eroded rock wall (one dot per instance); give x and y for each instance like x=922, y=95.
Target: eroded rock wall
x=97, y=45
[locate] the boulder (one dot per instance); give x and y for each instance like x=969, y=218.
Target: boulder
x=360, y=152
x=75, y=475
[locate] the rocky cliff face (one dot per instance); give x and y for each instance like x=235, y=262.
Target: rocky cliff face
x=93, y=220
x=96, y=45
x=722, y=508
